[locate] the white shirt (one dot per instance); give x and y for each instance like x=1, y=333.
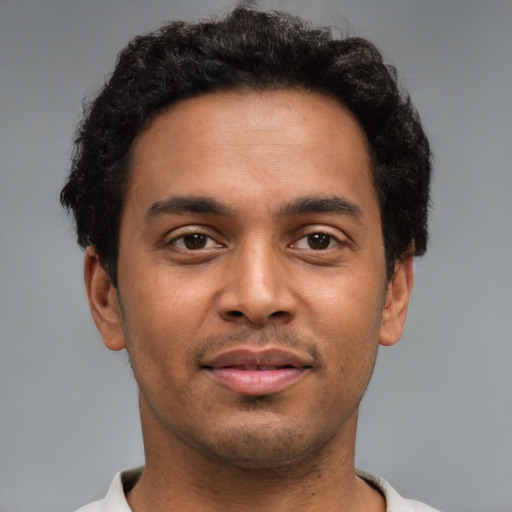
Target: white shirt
x=115, y=500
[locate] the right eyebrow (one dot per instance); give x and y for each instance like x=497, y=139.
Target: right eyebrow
x=181, y=205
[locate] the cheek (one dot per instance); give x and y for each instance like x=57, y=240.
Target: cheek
x=166, y=302
x=345, y=319
x=345, y=306
x=161, y=320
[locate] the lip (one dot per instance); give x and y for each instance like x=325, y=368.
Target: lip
x=257, y=372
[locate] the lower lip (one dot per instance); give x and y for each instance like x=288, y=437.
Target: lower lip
x=257, y=382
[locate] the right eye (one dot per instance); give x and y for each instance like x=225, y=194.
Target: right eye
x=194, y=242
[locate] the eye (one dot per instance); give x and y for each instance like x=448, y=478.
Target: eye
x=317, y=241
x=194, y=241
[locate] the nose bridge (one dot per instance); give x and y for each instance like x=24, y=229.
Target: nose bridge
x=259, y=276
x=257, y=288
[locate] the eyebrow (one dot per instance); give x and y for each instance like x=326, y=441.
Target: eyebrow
x=329, y=205
x=181, y=205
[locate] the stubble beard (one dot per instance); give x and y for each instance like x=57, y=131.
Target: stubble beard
x=261, y=441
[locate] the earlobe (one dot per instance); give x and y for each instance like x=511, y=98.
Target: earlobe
x=397, y=302
x=103, y=302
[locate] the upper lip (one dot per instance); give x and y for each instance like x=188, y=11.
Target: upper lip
x=254, y=357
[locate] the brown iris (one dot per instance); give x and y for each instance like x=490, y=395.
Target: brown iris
x=319, y=241
x=195, y=241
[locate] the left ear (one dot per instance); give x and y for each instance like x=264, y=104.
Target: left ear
x=397, y=302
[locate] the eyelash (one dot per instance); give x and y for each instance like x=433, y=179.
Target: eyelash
x=321, y=235
x=207, y=238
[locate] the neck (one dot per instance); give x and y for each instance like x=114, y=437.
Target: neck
x=178, y=477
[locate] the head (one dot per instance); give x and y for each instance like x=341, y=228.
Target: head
x=251, y=192
x=248, y=50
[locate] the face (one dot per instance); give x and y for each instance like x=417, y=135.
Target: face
x=252, y=290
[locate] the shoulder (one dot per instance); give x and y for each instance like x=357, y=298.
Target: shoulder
x=394, y=502
x=115, y=500
x=92, y=507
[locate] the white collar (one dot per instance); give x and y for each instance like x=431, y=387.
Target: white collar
x=115, y=500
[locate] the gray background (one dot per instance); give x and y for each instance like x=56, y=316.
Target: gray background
x=437, y=420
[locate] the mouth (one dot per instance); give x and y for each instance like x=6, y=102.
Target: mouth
x=257, y=373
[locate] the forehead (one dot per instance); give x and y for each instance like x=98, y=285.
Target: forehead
x=251, y=144
x=300, y=118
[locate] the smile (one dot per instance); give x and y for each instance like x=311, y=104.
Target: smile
x=257, y=373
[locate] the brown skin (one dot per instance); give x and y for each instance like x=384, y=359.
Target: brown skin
x=256, y=280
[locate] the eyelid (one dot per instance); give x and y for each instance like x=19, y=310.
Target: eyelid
x=336, y=235
x=333, y=242
x=174, y=243
x=181, y=232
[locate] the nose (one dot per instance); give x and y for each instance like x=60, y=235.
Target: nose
x=257, y=289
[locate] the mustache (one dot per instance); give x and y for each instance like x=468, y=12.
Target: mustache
x=271, y=335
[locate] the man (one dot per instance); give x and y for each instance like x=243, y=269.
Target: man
x=251, y=193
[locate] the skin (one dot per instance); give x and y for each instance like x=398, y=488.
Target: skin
x=193, y=284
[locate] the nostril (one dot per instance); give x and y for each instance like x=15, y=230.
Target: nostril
x=277, y=314
x=235, y=313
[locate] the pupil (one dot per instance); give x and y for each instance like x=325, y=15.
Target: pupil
x=319, y=241
x=195, y=241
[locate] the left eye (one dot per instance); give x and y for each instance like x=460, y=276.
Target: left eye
x=316, y=241
x=194, y=241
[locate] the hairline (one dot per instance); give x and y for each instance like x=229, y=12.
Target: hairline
x=244, y=89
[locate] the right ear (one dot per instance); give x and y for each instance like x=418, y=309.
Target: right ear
x=103, y=302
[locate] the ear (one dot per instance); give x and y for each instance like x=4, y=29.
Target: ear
x=103, y=302
x=397, y=301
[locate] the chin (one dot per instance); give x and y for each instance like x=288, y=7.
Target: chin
x=261, y=446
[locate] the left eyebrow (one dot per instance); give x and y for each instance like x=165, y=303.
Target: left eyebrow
x=329, y=205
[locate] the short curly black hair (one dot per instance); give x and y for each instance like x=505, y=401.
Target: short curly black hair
x=258, y=50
